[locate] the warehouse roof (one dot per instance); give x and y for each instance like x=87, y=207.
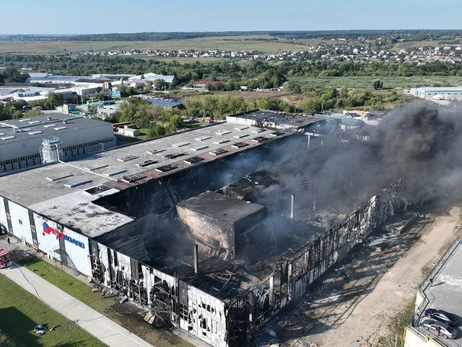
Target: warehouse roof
x=133, y=164
x=440, y=89
x=220, y=206
x=65, y=191
x=57, y=189
x=47, y=125
x=273, y=120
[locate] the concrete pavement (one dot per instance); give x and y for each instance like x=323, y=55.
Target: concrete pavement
x=93, y=322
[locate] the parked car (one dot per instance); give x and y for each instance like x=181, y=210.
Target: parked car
x=442, y=316
x=445, y=330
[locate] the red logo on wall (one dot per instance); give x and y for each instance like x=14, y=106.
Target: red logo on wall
x=49, y=230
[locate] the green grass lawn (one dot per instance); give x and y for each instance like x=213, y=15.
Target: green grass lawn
x=67, y=283
x=20, y=312
x=83, y=292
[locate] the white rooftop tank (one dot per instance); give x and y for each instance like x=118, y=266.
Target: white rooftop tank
x=51, y=150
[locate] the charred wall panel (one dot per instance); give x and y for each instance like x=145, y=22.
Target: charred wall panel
x=290, y=281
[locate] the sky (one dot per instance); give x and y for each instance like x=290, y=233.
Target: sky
x=123, y=16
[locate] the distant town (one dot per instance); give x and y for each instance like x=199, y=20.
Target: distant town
x=323, y=52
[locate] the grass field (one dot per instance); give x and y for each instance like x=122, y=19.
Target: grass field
x=233, y=43
x=418, y=44
x=388, y=82
x=108, y=306
x=20, y=312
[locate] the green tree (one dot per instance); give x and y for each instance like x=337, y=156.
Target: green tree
x=32, y=113
x=378, y=84
x=52, y=101
x=160, y=84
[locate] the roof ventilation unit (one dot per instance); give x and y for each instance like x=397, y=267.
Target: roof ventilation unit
x=98, y=189
x=166, y=168
x=218, y=151
x=133, y=178
x=128, y=158
x=77, y=183
x=193, y=160
x=174, y=155
x=147, y=163
x=239, y=145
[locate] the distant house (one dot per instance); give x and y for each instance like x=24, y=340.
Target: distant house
x=204, y=83
x=152, y=77
x=126, y=129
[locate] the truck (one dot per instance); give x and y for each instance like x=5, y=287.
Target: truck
x=5, y=258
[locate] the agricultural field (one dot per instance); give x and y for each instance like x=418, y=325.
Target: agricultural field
x=365, y=82
x=21, y=312
x=233, y=43
x=417, y=44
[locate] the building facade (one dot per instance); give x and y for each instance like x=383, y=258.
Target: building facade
x=152, y=221
x=21, y=141
x=438, y=93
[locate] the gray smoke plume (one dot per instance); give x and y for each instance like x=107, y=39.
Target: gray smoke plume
x=419, y=141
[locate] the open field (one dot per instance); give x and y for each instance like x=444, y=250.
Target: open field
x=418, y=44
x=388, y=82
x=415, y=44
x=123, y=314
x=20, y=312
x=232, y=43
x=188, y=60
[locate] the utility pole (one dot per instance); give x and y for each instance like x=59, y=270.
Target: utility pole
x=314, y=197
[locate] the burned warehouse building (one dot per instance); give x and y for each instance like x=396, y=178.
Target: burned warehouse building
x=212, y=230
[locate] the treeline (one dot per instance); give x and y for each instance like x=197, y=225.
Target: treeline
x=15, y=109
x=410, y=34
x=12, y=75
x=330, y=98
x=144, y=115
x=255, y=74
x=219, y=106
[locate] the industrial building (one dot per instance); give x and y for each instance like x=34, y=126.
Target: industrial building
x=197, y=226
x=438, y=93
x=29, y=142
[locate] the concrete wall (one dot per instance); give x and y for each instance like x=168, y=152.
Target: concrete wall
x=414, y=339
x=213, y=232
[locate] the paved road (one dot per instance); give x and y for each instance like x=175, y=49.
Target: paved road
x=96, y=324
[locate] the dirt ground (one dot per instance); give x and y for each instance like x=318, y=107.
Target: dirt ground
x=356, y=304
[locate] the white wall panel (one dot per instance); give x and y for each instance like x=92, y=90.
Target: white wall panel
x=20, y=222
x=78, y=250
x=47, y=243
x=3, y=219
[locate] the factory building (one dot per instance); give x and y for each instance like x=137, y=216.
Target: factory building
x=183, y=226
x=438, y=93
x=30, y=142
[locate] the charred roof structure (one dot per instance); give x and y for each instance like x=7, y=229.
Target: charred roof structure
x=218, y=232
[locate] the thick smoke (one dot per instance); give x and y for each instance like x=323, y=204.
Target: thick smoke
x=419, y=141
